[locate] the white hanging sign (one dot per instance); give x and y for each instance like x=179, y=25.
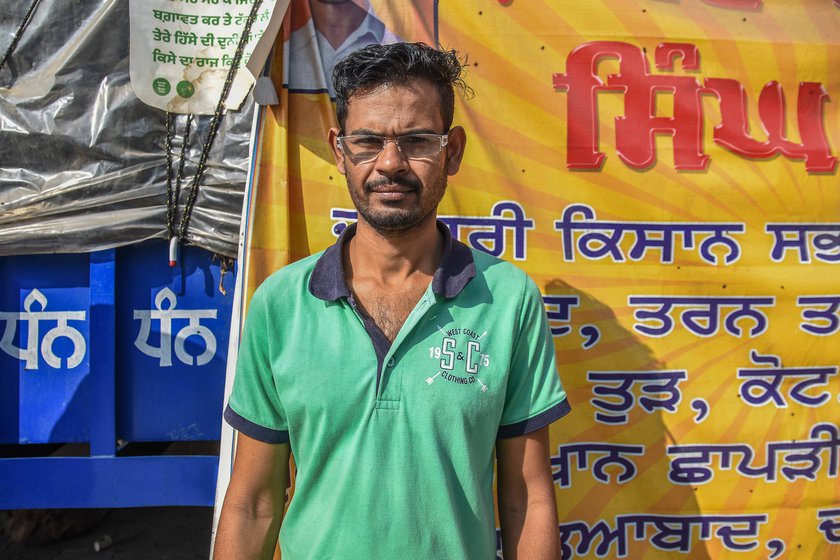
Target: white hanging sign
x=181, y=50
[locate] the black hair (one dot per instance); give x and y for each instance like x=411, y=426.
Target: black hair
x=397, y=64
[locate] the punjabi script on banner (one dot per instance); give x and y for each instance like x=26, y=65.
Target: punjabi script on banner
x=667, y=174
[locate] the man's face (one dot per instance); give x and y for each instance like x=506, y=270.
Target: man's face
x=393, y=192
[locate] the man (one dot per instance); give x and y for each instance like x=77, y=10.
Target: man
x=393, y=364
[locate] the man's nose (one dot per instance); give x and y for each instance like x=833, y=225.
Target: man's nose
x=391, y=159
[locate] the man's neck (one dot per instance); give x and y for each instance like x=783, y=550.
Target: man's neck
x=392, y=258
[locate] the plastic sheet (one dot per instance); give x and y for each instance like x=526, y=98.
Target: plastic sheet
x=82, y=159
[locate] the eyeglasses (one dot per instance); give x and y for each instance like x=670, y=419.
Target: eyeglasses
x=364, y=148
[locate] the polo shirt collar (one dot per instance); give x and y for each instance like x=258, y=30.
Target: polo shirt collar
x=455, y=270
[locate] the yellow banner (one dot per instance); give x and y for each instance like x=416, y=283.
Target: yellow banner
x=666, y=171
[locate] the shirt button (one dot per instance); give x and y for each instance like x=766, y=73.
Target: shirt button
x=391, y=362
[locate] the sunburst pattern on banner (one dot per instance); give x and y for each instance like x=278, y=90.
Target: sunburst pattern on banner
x=517, y=125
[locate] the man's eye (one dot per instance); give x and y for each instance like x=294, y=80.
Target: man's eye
x=367, y=143
x=415, y=140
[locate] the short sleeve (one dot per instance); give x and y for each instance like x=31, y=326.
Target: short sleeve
x=254, y=408
x=534, y=397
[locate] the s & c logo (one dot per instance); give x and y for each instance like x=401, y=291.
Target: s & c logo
x=460, y=358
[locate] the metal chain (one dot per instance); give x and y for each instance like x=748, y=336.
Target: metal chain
x=216, y=121
x=19, y=33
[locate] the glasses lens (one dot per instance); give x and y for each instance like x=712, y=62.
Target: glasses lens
x=420, y=145
x=362, y=148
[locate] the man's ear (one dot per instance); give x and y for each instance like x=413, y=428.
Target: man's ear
x=455, y=149
x=332, y=138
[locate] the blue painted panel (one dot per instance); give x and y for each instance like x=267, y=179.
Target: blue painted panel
x=103, y=436
x=44, y=341
x=114, y=344
x=172, y=329
x=86, y=482
x=170, y=338
x=54, y=388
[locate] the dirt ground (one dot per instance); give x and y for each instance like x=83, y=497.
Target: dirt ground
x=164, y=533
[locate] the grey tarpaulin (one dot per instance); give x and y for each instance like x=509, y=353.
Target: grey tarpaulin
x=82, y=160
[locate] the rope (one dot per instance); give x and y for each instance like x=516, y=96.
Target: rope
x=172, y=195
x=180, y=175
x=170, y=210
x=216, y=121
x=19, y=33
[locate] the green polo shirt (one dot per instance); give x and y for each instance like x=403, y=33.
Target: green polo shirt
x=394, y=442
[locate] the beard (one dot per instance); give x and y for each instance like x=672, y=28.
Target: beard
x=398, y=215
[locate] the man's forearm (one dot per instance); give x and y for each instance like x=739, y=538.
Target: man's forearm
x=254, y=501
x=245, y=534
x=527, y=508
x=529, y=531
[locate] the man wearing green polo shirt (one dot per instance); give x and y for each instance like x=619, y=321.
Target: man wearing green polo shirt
x=398, y=365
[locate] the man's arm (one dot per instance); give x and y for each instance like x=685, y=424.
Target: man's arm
x=527, y=507
x=253, y=506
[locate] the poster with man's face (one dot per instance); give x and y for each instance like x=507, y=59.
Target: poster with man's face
x=322, y=32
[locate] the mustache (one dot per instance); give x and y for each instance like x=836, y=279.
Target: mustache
x=372, y=185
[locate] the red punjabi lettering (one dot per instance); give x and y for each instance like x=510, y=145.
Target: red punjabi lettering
x=636, y=130
x=732, y=132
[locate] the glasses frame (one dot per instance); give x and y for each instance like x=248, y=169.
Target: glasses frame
x=443, y=140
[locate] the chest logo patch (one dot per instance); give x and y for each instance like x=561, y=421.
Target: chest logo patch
x=460, y=357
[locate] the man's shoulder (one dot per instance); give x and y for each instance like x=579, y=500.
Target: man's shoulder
x=499, y=273
x=291, y=275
